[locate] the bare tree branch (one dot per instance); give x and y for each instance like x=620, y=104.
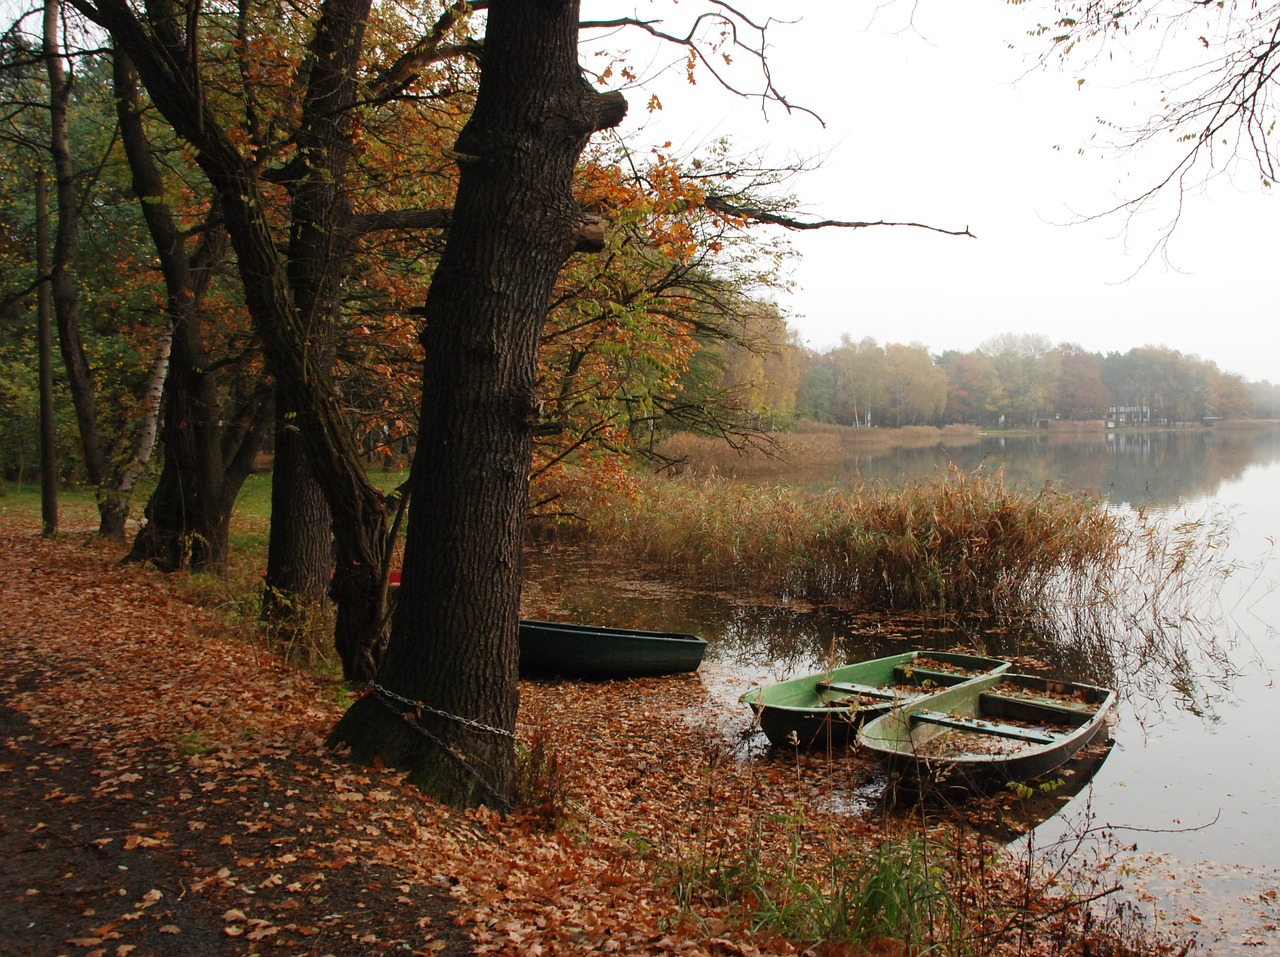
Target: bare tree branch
x=732, y=23
x=721, y=205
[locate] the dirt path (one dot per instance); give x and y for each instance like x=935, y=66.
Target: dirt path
x=165, y=792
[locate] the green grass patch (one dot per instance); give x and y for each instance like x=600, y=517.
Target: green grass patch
x=900, y=889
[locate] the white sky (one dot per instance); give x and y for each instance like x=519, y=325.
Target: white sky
x=943, y=123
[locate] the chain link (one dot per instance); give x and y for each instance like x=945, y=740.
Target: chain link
x=420, y=708
x=389, y=700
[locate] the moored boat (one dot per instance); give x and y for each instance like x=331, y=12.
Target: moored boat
x=568, y=650
x=826, y=708
x=572, y=650
x=989, y=732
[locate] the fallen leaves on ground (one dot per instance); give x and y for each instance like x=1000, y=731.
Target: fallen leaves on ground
x=166, y=790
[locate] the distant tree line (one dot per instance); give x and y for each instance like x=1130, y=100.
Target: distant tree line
x=1010, y=381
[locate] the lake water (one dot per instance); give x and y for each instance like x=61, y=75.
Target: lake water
x=1194, y=787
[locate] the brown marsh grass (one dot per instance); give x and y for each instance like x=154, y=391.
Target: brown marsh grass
x=962, y=542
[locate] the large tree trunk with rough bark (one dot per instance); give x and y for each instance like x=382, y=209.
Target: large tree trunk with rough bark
x=300, y=550
x=453, y=646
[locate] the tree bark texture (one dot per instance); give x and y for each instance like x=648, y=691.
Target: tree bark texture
x=285, y=297
x=453, y=643
x=300, y=550
x=62, y=282
x=44, y=320
x=209, y=443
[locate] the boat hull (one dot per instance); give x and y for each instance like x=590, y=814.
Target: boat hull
x=825, y=709
x=569, y=650
x=989, y=732
x=554, y=649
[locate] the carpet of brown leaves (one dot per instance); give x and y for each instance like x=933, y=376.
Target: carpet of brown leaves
x=165, y=790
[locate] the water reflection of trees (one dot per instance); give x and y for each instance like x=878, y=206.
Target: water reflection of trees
x=1134, y=468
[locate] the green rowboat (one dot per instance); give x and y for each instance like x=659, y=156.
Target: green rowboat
x=825, y=709
x=589, y=651
x=568, y=650
x=989, y=732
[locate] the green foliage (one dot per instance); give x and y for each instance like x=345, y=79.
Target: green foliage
x=19, y=422
x=194, y=743
x=895, y=890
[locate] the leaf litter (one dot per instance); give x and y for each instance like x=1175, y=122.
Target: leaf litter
x=174, y=795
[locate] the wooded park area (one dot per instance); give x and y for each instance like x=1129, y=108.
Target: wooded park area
x=359, y=227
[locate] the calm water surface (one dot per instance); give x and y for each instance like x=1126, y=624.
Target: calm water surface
x=1197, y=793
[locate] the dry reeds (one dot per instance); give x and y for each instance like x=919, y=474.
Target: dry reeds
x=962, y=542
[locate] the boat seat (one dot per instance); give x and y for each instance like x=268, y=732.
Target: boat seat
x=850, y=688
x=913, y=674
x=1033, y=735
x=1053, y=706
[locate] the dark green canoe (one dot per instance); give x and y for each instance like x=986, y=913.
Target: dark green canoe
x=988, y=732
x=569, y=650
x=826, y=708
x=589, y=651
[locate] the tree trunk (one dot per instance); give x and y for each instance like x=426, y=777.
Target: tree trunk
x=208, y=448
x=318, y=250
x=44, y=309
x=300, y=549
x=453, y=644
x=62, y=281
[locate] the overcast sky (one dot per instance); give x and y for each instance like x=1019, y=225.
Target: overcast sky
x=940, y=121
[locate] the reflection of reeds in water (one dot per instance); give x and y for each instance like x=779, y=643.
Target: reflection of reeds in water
x=1154, y=626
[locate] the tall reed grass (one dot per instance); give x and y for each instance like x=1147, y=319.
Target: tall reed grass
x=895, y=896
x=962, y=542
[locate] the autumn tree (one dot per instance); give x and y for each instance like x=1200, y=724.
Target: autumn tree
x=653, y=334
x=1216, y=66
x=279, y=168
x=914, y=387
x=858, y=370
x=1027, y=373
x=1080, y=392
x=973, y=391
x=1264, y=399
x=1230, y=397
x=515, y=223
x=216, y=402
x=766, y=368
